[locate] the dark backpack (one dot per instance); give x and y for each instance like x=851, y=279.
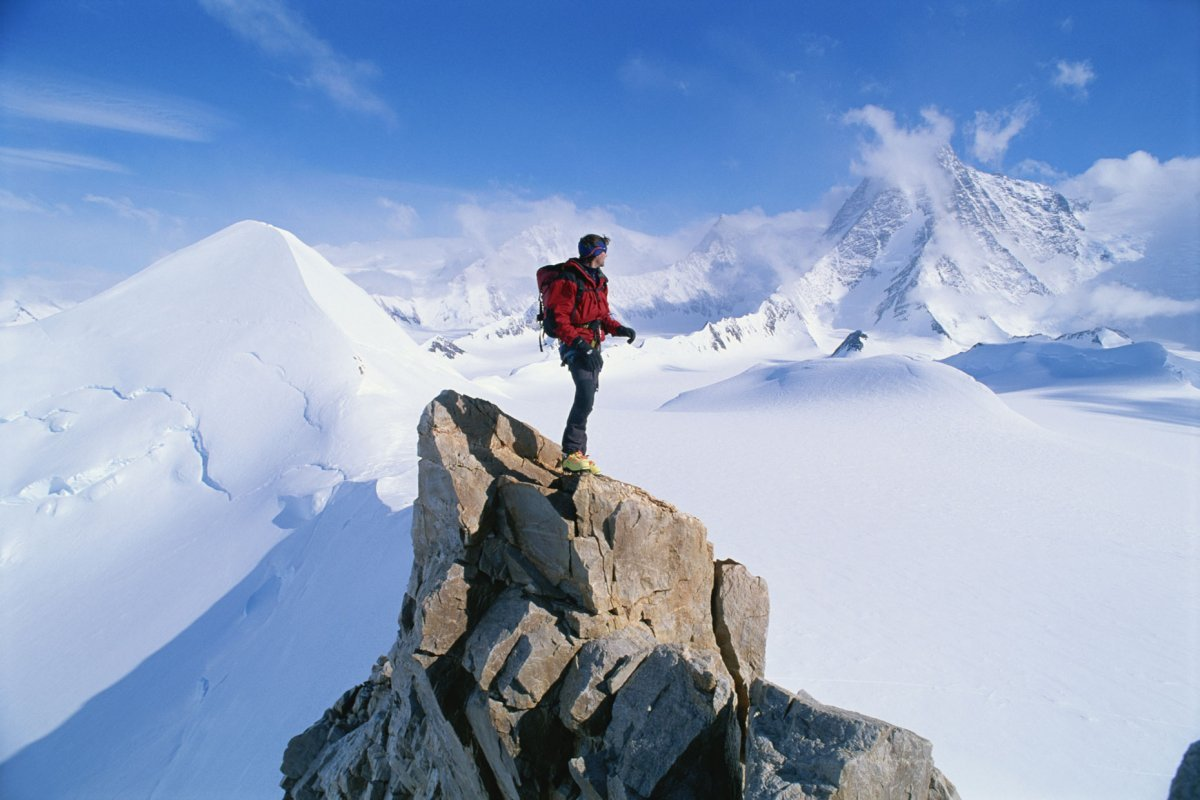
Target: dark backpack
x=546, y=277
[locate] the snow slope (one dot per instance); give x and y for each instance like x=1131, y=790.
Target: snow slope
x=1026, y=597
x=209, y=714
x=165, y=435
x=203, y=529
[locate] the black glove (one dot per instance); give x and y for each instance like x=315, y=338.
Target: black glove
x=630, y=333
x=587, y=356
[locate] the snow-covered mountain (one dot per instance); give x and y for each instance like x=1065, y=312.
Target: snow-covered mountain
x=741, y=260
x=168, y=433
x=461, y=285
x=959, y=255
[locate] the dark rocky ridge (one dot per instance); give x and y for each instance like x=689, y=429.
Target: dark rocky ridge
x=572, y=637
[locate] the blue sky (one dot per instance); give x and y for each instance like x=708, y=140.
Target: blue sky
x=129, y=129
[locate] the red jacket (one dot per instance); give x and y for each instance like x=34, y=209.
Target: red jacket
x=574, y=304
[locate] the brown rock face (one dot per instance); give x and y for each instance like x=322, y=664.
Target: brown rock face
x=561, y=637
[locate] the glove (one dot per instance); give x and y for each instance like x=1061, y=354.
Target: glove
x=587, y=356
x=630, y=333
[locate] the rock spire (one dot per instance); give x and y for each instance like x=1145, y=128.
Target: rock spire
x=572, y=637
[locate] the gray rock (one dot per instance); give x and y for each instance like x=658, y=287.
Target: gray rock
x=643, y=560
x=464, y=445
x=517, y=651
x=852, y=345
x=940, y=787
x=677, y=699
x=442, y=618
x=797, y=748
x=1186, y=784
x=570, y=637
x=599, y=670
x=741, y=609
x=536, y=528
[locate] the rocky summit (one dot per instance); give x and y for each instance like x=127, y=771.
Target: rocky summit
x=572, y=637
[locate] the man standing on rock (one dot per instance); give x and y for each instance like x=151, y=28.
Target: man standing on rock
x=577, y=304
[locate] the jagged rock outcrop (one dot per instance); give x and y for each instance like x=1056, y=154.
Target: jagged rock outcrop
x=1186, y=783
x=852, y=345
x=572, y=637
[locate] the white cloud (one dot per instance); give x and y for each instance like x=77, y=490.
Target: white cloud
x=81, y=102
x=401, y=218
x=125, y=209
x=1074, y=76
x=10, y=201
x=1096, y=304
x=282, y=33
x=18, y=157
x=906, y=157
x=1139, y=194
x=1034, y=170
x=993, y=131
x=1145, y=211
x=1112, y=301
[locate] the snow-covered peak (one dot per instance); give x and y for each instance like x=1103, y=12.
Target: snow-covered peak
x=959, y=255
x=171, y=429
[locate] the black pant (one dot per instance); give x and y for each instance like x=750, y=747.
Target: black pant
x=587, y=381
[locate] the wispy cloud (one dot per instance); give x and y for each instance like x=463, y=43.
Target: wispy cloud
x=10, y=201
x=401, y=217
x=994, y=131
x=86, y=103
x=904, y=156
x=282, y=33
x=1074, y=76
x=125, y=208
x=1096, y=304
x=1035, y=170
x=18, y=157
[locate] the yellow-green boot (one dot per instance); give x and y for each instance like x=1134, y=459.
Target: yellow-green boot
x=577, y=462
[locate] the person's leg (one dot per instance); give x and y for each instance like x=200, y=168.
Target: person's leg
x=575, y=435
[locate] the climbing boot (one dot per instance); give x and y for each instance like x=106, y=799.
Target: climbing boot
x=577, y=462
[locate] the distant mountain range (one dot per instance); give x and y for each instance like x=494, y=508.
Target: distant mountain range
x=956, y=257
x=964, y=256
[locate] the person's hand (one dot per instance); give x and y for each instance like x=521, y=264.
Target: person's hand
x=629, y=333
x=587, y=356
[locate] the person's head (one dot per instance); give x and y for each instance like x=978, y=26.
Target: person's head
x=593, y=249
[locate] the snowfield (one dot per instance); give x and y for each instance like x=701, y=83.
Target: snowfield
x=163, y=436
x=206, y=496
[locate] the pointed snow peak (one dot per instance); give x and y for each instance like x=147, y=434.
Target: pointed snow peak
x=948, y=158
x=234, y=261
x=946, y=248
x=249, y=273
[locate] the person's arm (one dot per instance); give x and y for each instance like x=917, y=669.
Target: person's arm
x=611, y=326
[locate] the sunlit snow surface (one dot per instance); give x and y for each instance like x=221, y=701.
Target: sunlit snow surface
x=162, y=437
x=999, y=555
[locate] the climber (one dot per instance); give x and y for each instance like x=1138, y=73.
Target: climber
x=577, y=304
